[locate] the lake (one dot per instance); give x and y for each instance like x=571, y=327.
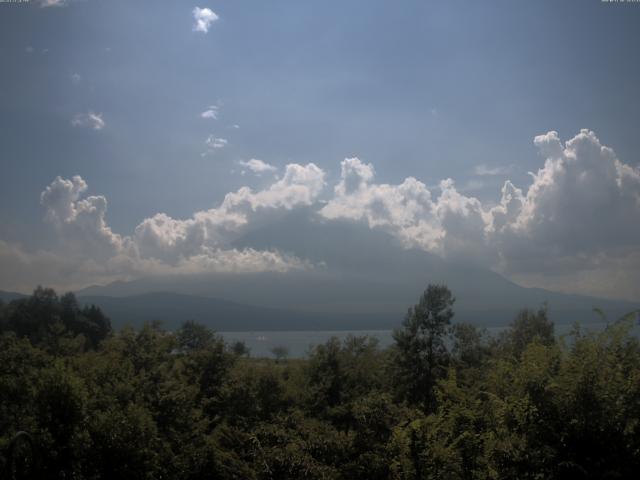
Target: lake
x=299, y=342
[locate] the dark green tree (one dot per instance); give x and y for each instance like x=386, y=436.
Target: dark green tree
x=240, y=349
x=34, y=317
x=421, y=356
x=525, y=328
x=469, y=348
x=280, y=352
x=194, y=336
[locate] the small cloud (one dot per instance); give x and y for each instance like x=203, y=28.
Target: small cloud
x=483, y=170
x=53, y=3
x=214, y=143
x=203, y=17
x=236, y=126
x=210, y=113
x=256, y=166
x=433, y=111
x=76, y=78
x=88, y=120
x=29, y=49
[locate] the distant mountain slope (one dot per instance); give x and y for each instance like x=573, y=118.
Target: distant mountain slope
x=172, y=309
x=222, y=315
x=9, y=296
x=362, y=278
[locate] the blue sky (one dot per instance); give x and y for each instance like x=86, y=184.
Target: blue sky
x=425, y=89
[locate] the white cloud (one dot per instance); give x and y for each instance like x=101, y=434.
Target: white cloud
x=299, y=186
x=483, y=170
x=211, y=231
x=76, y=78
x=214, y=143
x=405, y=210
x=576, y=227
x=210, y=113
x=89, y=251
x=89, y=120
x=584, y=203
x=256, y=166
x=579, y=217
x=203, y=17
x=80, y=221
x=53, y=3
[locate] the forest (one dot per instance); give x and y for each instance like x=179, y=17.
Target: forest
x=79, y=400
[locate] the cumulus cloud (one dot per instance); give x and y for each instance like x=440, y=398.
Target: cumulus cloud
x=80, y=221
x=210, y=113
x=406, y=210
x=256, y=166
x=211, y=231
x=88, y=120
x=89, y=251
x=203, y=18
x=582, y=204
x=575, y=227
x=579, y=218
x=301, y=185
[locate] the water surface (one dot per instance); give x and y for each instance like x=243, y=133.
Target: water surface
x=299, y=342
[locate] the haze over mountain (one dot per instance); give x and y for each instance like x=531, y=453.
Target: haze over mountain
x=366, y=281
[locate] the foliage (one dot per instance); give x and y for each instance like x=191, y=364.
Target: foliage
x=421, y=356
x=280, y=352
x=55, y=323
x=446, y=401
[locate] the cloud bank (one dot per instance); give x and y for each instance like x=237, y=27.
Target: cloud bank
x=576, y=227
x=578, y=220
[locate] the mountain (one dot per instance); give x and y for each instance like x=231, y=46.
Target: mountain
x=361, y=279
x=7, y=297
x=222, y=315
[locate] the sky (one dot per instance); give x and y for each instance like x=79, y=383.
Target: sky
x=145, y=137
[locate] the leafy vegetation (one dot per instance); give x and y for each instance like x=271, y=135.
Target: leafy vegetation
x=446, y=401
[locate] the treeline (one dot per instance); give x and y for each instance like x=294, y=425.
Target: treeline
x=445, y=401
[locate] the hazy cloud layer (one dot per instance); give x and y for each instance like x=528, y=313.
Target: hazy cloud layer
x=88, y=120
x=576, y=227
x=483, y=170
